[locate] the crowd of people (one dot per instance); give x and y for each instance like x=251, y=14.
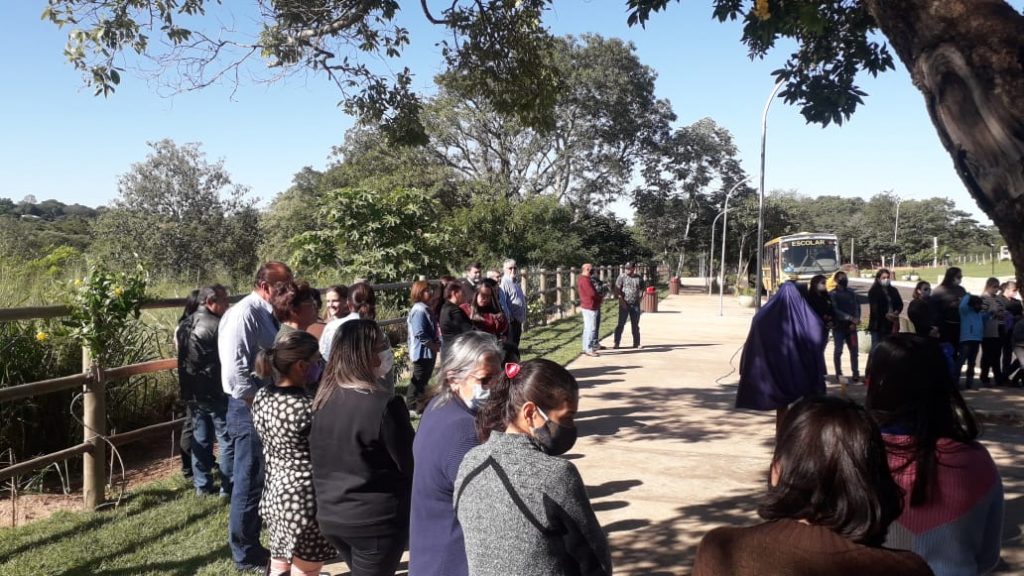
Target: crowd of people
x=851, y=485
x=315, y=444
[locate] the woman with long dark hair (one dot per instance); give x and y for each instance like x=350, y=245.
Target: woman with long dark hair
x=281, y=415
x=885, y=306
x=294, y=306
x=361, y=443
x=484, y=311
x=946, y=299
x=522, y=509
x=992, y=340
x=450, y=316
x=953, y=512
x=920, y=311
x=829, y=504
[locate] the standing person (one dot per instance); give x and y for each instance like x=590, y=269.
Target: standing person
x=185, y=440
x=628, y=290
x=522, y=509
x=992, y=340
x=294, y=307
x=337, y=302
x=972, y=331
x=471, y=281
x=446, y=433
x=829, y=506
x=361, y=444
x=514, y=302
x=953, y=506
x=820, y=302
x=921, y=312
x=946, y=305
x=485, y=312
x=885, y=305
x=199, y=373
x=244, y=329
x=784, y=356
x=423, y=344
x=1014, y=310
x=590, y=302
x=847, y=311
x=494, y=274
x=451, y=318
x=281, y=414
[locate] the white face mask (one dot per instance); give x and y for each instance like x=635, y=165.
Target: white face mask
x=387, y=361
x=480, y=396
x=822, y=288
x=884, y=281
x=956, y=281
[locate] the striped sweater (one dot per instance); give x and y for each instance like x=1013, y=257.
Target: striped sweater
x=958, y=530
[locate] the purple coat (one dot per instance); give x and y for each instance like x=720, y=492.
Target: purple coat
x=783, y=357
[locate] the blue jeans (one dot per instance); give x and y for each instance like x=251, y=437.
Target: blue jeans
x=849, y=339
x=244, y=522
x=968, y=355
x=597, y=330
x=632, y=312
x=209, y=419
x=589, y=329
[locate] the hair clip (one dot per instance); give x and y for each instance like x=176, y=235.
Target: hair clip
x=512, y=369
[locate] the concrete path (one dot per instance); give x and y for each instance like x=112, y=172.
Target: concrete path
x=666, y=457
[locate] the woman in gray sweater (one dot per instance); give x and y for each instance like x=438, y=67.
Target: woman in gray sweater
x=522, y=509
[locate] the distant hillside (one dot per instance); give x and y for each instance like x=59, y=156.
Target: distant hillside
x=31, y=229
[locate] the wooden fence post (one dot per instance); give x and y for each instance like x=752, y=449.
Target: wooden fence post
x=558, y=292
x=524, y=283
x=544, y=295
x=94, y=418
x=572, y=289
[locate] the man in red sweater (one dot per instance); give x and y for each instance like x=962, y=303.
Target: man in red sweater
x=590, y=301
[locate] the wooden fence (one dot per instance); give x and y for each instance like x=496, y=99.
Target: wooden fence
x=554, y=289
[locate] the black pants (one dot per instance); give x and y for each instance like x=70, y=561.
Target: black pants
x=991, y=357
x=629, y=312
x=515, y=331
x=421, y=371
x=185, y=443
x=370, y=555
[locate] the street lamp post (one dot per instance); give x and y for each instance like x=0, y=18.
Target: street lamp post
x=895, y=231
x=725, y=229
x=760, y=206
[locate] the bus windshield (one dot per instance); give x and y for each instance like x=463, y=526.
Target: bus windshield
x=810, y=257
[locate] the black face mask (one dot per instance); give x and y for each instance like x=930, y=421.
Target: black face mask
x=552, y=437
x=843, y=282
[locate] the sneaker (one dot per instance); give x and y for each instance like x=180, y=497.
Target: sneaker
x=591, y=353
x=637, y=346
x=246, y=568
x=615, y=347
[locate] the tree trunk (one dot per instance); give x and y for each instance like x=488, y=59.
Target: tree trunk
x=967, y=58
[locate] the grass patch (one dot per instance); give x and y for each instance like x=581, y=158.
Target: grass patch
x=970, y=270
x=164, y=529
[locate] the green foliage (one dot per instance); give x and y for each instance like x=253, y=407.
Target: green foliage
x=101, y=307
x=834, y=42
x=383, y=235
x=179, y=214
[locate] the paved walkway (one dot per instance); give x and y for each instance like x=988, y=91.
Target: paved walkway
x=666, y=457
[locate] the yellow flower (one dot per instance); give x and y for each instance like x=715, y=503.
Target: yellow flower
x=42, y=336
x=118, y=291
x=78, y=281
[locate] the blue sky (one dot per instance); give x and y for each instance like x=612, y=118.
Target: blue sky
x=59, y=141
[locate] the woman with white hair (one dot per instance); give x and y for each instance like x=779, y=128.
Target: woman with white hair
x=446, y=433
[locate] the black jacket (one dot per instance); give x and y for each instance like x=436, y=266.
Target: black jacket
x=882, y=300
x=453, y=321
x=198, y=362
x=922, y=314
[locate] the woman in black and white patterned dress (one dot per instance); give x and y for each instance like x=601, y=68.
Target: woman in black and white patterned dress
x=281, y=415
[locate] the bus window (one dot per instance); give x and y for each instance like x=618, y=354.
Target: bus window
x=819, y=259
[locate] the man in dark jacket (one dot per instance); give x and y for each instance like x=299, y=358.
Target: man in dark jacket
x=200, y=381
x=846, y=312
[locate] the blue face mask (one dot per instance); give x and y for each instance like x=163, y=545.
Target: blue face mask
x=313, y=372
x=480, y=396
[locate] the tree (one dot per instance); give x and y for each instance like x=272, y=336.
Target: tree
x=606, y=118
x=381, y=235
x=179, y=214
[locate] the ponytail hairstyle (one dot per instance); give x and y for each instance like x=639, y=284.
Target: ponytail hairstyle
x=545, y=383
x=289, y=349
x=363, y=300
x=192, y=303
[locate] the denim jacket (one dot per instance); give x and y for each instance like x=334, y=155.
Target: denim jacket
x=422, y=332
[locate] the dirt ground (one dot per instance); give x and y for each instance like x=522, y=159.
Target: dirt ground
x=144, y=462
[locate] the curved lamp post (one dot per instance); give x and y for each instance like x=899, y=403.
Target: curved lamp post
x=760, y=206
x=725, y=229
